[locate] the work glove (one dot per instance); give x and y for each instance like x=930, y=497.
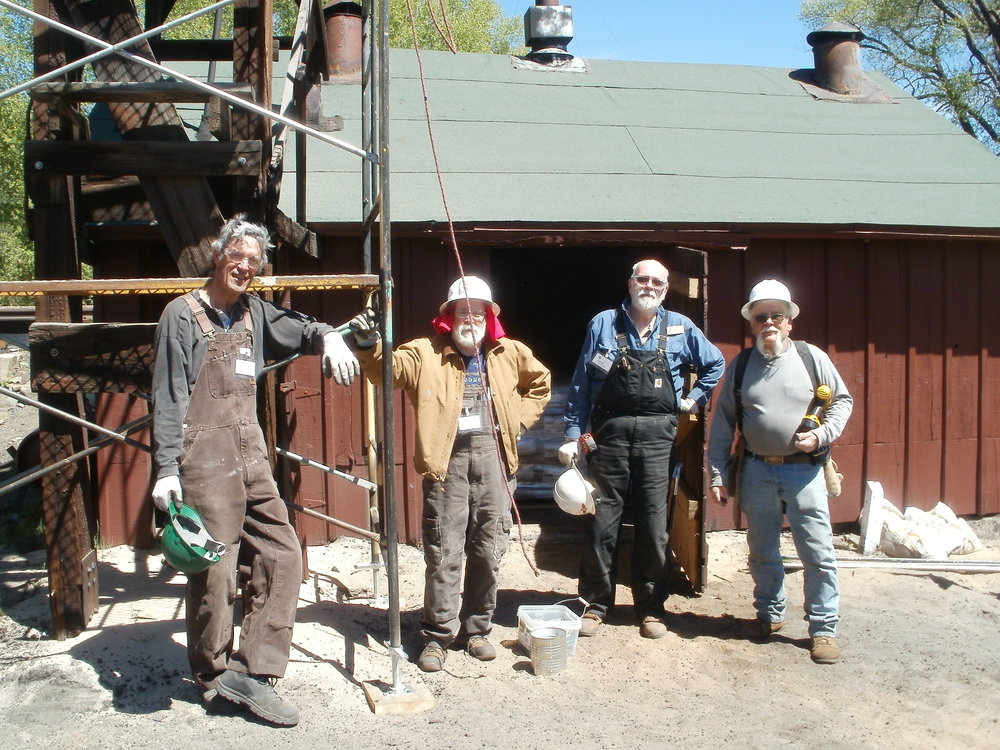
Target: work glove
x=338, y=360
x=568, y=453
x=688, y=405
x=365, y=328
x=165, y=489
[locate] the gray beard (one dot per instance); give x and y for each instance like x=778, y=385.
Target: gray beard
x=647, y=304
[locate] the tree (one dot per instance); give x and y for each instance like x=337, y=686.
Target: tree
x=473, y=25
x=945, y=52
x=17, y=260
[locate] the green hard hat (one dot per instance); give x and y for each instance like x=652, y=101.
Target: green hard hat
x=187, y=546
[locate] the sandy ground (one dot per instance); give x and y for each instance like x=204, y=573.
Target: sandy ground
x=919, y=669
x=919, y=666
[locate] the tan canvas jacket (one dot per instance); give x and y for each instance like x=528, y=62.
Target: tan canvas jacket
x=432, y=373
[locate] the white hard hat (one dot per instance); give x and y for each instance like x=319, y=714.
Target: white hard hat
x=478, y=289
x=573, y=493
x=770, y=289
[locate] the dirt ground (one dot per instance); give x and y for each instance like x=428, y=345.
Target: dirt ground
x=919, y=667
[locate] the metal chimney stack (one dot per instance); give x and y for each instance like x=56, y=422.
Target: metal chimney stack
x=548, y=28
x=343, y=40
x=837, y=55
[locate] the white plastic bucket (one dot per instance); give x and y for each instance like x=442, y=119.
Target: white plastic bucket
x=548, y=650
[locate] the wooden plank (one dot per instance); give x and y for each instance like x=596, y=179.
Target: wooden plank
x=87, y=287
x=143, y=158
x=925, y=373
x=989, y=377
x=293, y=235
x=133, y=91
x=91, y=358
x=885, y=419
x=961, y=389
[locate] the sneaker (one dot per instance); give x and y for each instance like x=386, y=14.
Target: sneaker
x=590, y=624
x=480, y=648
x=257, y=694
x=761, y=630
x=824, y=649
x=652, y=626
x=431, y=659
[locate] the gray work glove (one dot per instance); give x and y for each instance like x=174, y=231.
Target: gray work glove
x=365, y=328
x=688, y=406
x=339, y=361
x=167, y=489
x=568, y=453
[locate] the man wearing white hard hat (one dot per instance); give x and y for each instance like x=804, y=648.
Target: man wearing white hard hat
x=769, y=389
x=628, y=384
x=468, y=384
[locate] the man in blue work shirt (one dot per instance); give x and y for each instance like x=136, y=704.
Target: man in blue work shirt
x=628, y=384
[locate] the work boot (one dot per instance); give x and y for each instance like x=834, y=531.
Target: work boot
x=824, y=649
x=216, y=705
x=652, y=626
x=257, y=694
x=761, y=630
x=432, y=658
x=480, y=648
x=590, y=624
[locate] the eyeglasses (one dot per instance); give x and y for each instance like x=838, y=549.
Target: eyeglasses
x=252, y=261
x=651, y=280
x=776, y=317
x=475, y=317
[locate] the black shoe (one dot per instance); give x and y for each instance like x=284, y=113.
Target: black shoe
x=257, y=694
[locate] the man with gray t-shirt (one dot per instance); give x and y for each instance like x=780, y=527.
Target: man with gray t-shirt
x=782, y=471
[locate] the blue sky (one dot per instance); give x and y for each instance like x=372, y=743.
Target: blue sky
x=735, y=32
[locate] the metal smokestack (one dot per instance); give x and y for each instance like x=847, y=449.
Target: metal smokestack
x=837, y=55
x=548, y=29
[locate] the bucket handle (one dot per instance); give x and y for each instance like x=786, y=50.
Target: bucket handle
x=576, y=599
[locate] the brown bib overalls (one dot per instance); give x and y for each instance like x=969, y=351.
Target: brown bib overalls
x=226, y=477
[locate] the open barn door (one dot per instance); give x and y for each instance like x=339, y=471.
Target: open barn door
x=688, y=274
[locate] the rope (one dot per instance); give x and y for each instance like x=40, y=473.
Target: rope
x=448, y=38
x=461, y=270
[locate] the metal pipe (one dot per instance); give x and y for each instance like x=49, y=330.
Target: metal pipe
x=70, y=417
x=906, y=563
x=364, y=483
x=31, y=475
x=224, y=95
x=111, y=49
x=332, y=521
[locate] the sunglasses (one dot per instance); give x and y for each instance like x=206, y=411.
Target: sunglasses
x=651, y=280
x=776, y=317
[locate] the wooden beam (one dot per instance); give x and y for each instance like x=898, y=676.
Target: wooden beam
x=133, y=91
x=89, y=287
x=91, y=357
x=292, y=234
x=143, y=158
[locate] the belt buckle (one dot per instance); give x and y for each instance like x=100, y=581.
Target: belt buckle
x=774, y=460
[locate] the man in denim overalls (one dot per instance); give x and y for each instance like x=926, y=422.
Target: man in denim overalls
x=628, y=384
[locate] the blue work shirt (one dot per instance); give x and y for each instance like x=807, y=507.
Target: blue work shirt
x=686, y=345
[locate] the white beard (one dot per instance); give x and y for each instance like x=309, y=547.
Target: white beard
x=468, y=337
x=771, y=347
x=647, y=302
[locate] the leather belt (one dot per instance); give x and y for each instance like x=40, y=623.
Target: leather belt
x=795, y=458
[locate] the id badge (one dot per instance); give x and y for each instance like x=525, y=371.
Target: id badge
x=602, y=362
x=469, y=422
x=245, y=366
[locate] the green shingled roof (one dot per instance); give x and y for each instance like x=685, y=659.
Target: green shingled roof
x=651, y=143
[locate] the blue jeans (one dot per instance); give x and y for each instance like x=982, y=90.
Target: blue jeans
x=798, y=491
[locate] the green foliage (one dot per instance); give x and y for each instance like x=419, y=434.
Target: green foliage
x=17, y=261
x=945, y=52
x=475, y=26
